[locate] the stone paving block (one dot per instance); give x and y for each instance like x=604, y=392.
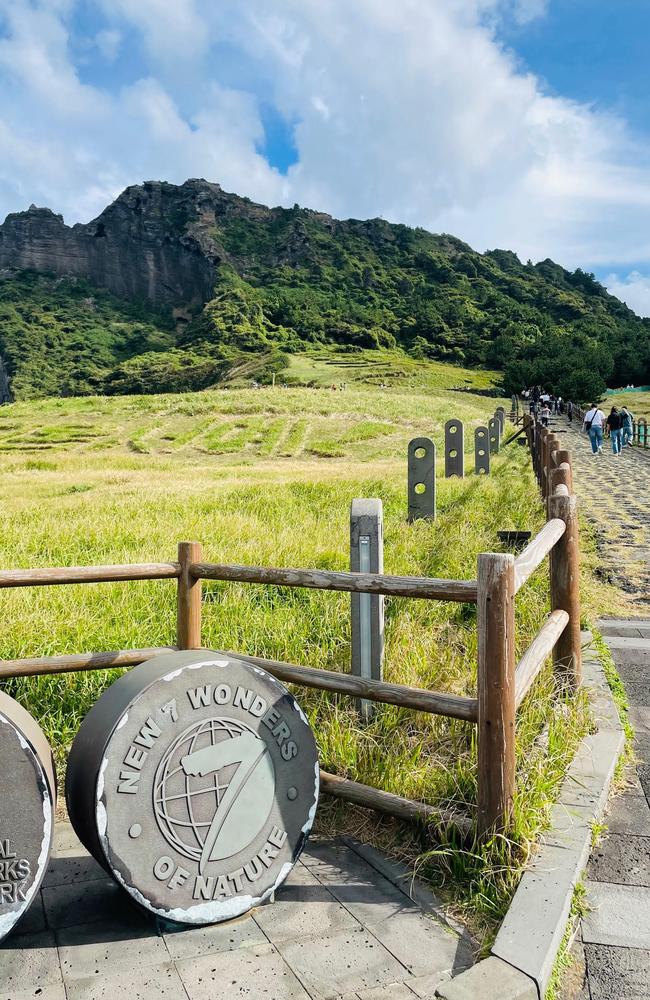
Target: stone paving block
x=72, y=867
x=637, y=660
x=618, y=973
x=491, y=979
x=99, y=949
x=393, y=991
x=87, y=902
x=621, y=859
x=320, y=852
x=341, y=862
x=65, y=839
x=633, y=785
x=619, y=915
x=301, y=875
x=33, y=920
x=638, y=692
x=161, y=982
x=642, y=747
x=425, y=987
x=188, y=942
x=639, y=716
x=643, y=774
x=340, y=963
x=253, y=973
x=422, y=944
x=303, y=910
x=619, y=644
x=370, y=901
x=28, y=961
x=626, y=630
x=54, y=992
x=629, y=814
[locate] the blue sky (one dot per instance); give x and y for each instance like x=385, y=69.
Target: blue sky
x=514, y=123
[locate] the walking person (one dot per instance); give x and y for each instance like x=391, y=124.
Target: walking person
x=628, y=427
x=545, y=414
x=569, y=411
x=615, y=424
x=593, y=424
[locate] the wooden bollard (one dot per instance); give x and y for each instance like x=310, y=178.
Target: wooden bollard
x=496, y=691
x=562, y=474
x=188, y=599
x=565, y=588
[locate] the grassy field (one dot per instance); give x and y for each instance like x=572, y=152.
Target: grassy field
x=638, y=402
x=266, y=477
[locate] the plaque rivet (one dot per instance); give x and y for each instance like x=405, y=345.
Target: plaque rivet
x=292, y=793
x=135, y=830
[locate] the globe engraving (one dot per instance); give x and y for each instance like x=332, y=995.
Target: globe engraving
x=212, y=769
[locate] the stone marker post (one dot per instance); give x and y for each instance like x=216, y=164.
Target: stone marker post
x=481, y=451
x=500, y=414
x=454, y=449
x=494, y=427
x=367, y=556
x=421, y=479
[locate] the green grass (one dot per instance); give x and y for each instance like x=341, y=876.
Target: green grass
x=326, y=366
x=141, y=480
x=638, y=402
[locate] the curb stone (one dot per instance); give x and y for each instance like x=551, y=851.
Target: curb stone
x=525, y=949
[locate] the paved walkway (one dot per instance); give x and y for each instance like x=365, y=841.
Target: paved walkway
x=615, y=494
x=612, y=950
x=342, y=926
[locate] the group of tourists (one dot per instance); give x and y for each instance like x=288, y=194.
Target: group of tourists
x=543, y=404
x=619, y=423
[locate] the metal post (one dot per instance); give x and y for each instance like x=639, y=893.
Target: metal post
x=421, y=479
x=454, y=449
x=367, y=556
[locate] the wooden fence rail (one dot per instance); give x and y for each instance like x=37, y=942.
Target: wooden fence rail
x=502, y=684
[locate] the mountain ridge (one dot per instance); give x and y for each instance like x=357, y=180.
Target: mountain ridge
x=209, y=274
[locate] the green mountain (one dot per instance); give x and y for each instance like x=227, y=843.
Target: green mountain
x=172, y=287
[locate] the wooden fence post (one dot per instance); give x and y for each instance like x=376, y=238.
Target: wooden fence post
x=188, y=598
x=564, y=568
x=553, y=448
x=496, y=691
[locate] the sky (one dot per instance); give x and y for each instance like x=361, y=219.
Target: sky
x=519, y=124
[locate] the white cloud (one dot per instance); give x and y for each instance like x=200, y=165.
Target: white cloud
x=108, y=42
x=413, y=111
x=633, y=289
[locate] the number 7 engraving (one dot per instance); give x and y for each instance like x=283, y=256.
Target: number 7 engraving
x=247, y=751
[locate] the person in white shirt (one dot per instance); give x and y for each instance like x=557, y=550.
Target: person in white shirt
x=593, y=424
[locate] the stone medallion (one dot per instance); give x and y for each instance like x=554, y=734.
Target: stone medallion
x=194, y=781
x=27, y=801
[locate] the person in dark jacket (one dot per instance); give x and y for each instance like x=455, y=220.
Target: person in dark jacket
x=615, y=424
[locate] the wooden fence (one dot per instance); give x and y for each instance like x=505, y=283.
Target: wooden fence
x=502, y=683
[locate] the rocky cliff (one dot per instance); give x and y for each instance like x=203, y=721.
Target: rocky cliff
x=172, y=282
x=155, y=242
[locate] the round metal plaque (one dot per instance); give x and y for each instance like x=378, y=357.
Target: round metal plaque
x=194, y=781
x=27, y=801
